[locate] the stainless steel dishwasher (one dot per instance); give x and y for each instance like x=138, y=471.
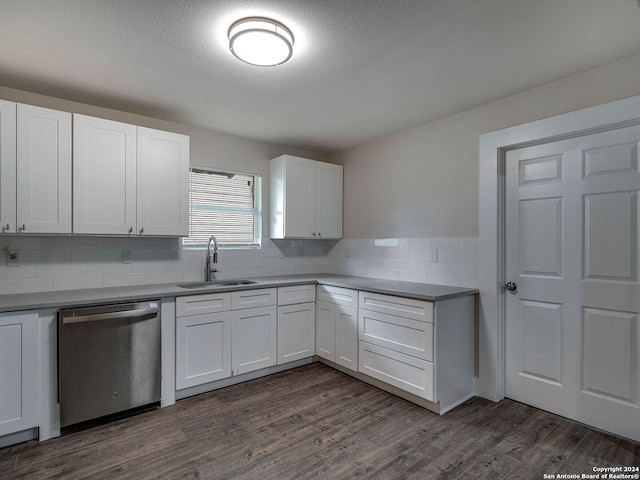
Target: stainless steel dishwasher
x=108, y=360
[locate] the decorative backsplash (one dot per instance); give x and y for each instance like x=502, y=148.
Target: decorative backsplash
x=65, y=263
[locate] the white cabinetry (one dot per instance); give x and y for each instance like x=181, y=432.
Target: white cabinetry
x=163, y=183
x=254, y=330
x=296, y=323
x=306, y=198
x=337, y=325
x=418, y=347
x=104, y=176
x=129, y=180
x=19, y=372
x=203, y=339
x=223, y=334
x=7, y=166
x=35, y=170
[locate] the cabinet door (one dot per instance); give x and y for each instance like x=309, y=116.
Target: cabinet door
x=346, y=320
x=203, y=349
x=326, y=330
x=328, y=200
x=163, y=183
x=104, y=176
x=19, y=372
x=43, y=170
x=254, y=339
x=296, y=332
x=7, y=166
x=300, y=198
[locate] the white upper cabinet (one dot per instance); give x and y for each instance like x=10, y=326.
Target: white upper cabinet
x=328, y=200
x=163, y=183
x=43, y=171
x=104, y=176
x=306, y=198
x=7, y=166
x=129, y=180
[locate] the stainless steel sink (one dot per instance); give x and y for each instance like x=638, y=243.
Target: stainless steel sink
x=217, y=283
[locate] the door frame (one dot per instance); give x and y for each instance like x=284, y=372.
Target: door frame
x=492, y=220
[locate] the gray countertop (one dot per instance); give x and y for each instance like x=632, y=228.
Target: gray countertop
x=71, y=298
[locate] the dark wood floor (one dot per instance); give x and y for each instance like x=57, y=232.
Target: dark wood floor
x=316, y=423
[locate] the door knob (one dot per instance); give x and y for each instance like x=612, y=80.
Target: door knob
x=511, y=286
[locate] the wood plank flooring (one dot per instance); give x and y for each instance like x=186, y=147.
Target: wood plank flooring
x=316, y=423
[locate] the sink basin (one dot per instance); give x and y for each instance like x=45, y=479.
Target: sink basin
x=217, y=283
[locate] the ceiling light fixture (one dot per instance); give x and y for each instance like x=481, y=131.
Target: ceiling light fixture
x=260, y=41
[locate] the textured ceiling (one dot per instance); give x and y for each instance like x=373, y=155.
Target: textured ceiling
x=361, y=68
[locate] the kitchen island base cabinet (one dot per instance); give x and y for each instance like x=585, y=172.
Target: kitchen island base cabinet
x=19, y=372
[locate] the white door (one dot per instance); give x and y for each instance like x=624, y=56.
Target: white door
x=43, y=170
x=572, y=236
x=7, y=166
x=163, y=183
x=104, y=176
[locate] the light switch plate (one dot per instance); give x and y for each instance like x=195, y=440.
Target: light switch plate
x=126, y=256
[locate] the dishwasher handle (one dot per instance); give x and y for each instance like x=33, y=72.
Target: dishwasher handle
x=138, y=314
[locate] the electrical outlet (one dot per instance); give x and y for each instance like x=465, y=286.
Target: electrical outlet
x=14, y=258
x=433, y=255
x=126, y=256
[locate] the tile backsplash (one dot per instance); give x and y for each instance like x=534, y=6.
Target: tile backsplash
x=64, y=263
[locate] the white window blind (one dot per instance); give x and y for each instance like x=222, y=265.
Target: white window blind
x=224, y=204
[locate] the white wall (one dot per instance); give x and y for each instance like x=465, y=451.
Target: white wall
x=423, y=181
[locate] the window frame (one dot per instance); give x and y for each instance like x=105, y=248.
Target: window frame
x=257, y=211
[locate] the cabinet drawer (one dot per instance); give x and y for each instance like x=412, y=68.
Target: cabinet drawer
x=296, y=294
x=404, y=307
x=200, y=304
x=253, y=298
x=411, y=337
x=337, y=295
x=402, y=371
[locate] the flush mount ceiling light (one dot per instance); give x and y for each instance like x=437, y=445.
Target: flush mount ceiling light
x=260, y=41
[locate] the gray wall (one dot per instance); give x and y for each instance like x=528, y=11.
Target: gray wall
x=423, y=181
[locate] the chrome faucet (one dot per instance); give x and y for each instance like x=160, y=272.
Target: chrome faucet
x=211, y=258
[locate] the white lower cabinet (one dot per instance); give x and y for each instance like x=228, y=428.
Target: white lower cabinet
x=19, y=371
x=423, y=348
x=296, y=332
x=217, y=336
x=253, y=339
x=337, y=325
x=203, y=349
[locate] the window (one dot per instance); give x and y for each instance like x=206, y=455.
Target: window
x=224, y=204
